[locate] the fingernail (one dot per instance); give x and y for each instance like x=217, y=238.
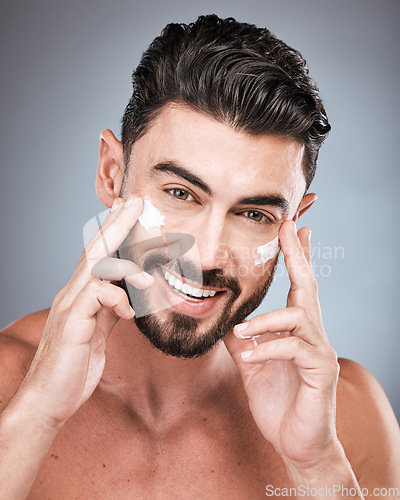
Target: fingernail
x=242, y=337
x=309, y=236
x=241, y=326
x=247, y=354
x=115, y=205
x=132, y=311
x=148, y=276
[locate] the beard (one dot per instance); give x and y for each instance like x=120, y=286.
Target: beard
x=180, y=335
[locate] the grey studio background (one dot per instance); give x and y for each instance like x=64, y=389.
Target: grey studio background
x=65, y=75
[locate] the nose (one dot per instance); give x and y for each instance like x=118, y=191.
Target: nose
x=212, y=241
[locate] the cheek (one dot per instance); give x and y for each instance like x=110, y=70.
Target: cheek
x=243, y=265
x=178, y=216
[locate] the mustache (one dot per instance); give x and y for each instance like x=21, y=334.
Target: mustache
x=216, y=278
x=213, y=278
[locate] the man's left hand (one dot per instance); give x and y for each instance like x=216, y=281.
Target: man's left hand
x=290, y=375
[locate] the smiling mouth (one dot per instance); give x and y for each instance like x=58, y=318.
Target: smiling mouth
x=185, y=290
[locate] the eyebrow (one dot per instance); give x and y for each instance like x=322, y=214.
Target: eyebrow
x=270, y=200
x=261, y=200
x=180, y=171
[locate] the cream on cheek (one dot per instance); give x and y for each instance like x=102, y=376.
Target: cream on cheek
x=151, y=218
x=266, y=252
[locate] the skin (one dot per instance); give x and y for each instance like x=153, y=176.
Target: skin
x=101, y=414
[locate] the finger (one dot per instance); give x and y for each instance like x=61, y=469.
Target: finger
x=107, y=320
x=236, y=346
x=295, y=320
x=299, y=269
x=95, y=296
x=115, y=228
x=119, y=221
x=304, y=235
x=303, y=289
x=113, y=269
x=294, y=349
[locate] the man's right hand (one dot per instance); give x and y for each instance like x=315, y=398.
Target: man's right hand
x=70, y=359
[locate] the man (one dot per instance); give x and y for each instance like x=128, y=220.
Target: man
x=188, y=400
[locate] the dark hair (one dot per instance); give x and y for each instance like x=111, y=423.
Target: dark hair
x=234, y=72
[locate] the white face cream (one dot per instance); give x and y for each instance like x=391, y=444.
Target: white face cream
x=151, y=218
x=266, y=252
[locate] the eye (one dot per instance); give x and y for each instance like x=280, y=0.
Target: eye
x=180, y=194
x=256, y=216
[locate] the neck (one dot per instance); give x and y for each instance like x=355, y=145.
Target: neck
x=157, y=387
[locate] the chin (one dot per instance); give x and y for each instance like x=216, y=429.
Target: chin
x=188, y=337
x=187, y=331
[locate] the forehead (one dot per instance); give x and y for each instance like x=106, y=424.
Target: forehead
x=230, y=161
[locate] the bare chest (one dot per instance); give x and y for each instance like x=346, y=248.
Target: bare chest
x=200, y=460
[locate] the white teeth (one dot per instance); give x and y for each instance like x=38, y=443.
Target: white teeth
x=176, y=283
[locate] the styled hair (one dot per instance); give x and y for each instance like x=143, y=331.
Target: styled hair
x=233, y=72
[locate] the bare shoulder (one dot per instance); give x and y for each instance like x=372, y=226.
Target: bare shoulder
x=18, y=344
x=367, y=426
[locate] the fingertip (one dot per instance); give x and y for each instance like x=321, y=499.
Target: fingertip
x=240, y=327
x=148, y=277
x=127, y=313
x=288, y=226
x=133, y=200
x=304, y=236
x=287, y=223
x=117, y=204
x=146, y=280
x=141, y=280
x=287, y=235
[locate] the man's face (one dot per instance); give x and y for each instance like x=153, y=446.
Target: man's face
x=230, y=191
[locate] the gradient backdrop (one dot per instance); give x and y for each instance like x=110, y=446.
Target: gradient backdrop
x=66, y=70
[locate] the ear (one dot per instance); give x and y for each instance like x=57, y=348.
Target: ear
x=110, y=172
x=305, y=204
